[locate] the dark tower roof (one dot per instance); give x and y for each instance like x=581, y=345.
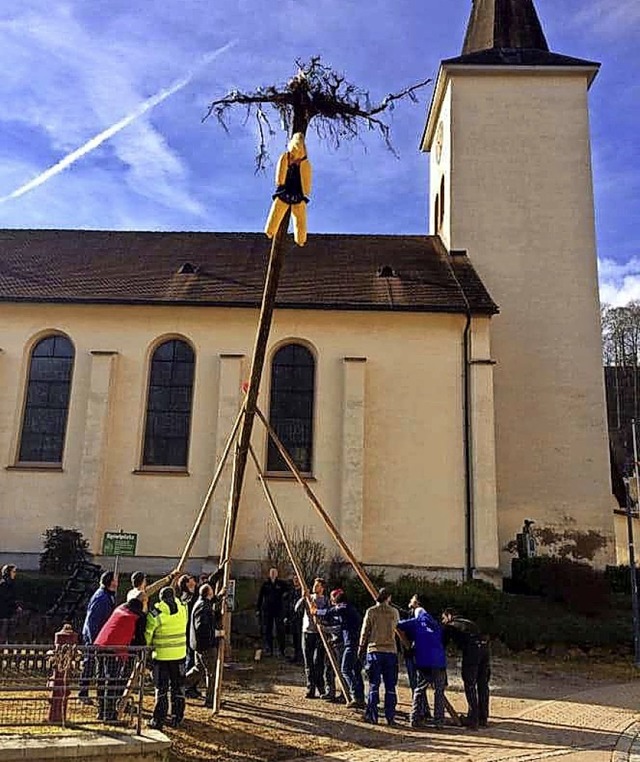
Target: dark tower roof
x=509, y=32
x=504, y=24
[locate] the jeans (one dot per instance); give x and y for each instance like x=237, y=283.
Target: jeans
x=420, y=703
x=476, y=673
x=88, y=668
x=113, y=673
x=313, y=652
x=168, y=676
x=204, y=668
x=351, y=669
x=382, y=667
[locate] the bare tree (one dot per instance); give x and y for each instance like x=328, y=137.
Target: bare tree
x=317, y=93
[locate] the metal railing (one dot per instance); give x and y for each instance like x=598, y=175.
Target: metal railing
x=72, y=686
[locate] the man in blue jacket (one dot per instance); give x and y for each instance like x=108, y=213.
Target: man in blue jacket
x=348, y=621
x=100, y=608
x=431, y=663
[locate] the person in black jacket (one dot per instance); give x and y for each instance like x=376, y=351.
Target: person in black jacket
x=293, y=618
x=476, y=665
x=9, y=606
x=270, y=609
x=203, y=641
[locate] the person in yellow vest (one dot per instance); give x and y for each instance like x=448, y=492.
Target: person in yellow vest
x=166, y=634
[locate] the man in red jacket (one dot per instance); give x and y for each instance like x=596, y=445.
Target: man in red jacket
x=124, y=628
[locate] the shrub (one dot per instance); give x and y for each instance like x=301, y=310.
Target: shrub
x=63, y=550
x=574, y=584
x=310, y=553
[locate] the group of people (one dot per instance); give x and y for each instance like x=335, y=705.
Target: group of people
x=182, y=629
x=371, y=645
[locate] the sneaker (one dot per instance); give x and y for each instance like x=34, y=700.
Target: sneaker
x=331, y=697
x=310, y=694
x=154, y=725
x=193, y=693
x=392, y=723
x=484, y=723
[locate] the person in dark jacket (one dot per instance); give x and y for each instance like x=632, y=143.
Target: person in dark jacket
x=188, y=594
x=293, y=618
x=9, y=606
x=125, y=627
x=349, y=623
x=270, y=609
x=203, y=639
x=431, y=663
x=100, y=608
x=476, y=665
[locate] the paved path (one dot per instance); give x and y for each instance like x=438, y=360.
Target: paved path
x=598, y=725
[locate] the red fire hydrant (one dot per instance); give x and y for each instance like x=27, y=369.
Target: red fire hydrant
x=63, y=654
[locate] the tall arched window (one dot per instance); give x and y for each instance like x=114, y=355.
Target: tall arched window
x=44, y=422
x=441, y=203
x=291, y=406
x=168, y=422
x=436, y=215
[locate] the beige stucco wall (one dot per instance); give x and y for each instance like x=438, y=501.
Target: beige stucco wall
x=388, y=385
x=519, y=170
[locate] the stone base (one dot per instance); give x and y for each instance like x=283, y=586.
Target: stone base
x=153, y=746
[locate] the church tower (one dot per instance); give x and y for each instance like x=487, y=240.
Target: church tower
x=511, y=182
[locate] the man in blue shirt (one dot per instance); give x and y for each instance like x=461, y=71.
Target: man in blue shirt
x=431, y=663
x=99, y=609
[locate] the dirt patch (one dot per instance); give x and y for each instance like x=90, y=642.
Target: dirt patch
x=265, y=717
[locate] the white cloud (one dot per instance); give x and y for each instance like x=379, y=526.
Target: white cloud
x=619, y=281
x=610, y=18
x=70, y=84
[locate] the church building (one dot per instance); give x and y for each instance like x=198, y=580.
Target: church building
x=435, y=390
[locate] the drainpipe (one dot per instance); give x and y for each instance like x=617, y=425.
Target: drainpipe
x=467, y=427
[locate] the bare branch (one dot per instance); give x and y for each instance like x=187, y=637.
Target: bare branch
x=317, y=94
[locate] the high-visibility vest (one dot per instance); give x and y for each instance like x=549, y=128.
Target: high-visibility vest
x=166, y=633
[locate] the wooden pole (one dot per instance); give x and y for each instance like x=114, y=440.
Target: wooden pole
x=333, y=531
x=331, y=527
x=214, y=483
x=274, y=269
x=298, y=570
x=225, y=556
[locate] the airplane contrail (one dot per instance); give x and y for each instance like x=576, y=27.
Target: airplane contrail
x=147, y=105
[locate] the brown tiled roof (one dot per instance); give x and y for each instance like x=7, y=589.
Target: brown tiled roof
x=339, y=272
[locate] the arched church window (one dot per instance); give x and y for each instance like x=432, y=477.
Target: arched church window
x=436, y=215
x=291, y=406
x=44, y=422
x=441, y=203
x=169, y=402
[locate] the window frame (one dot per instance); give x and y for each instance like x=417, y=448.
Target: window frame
x=287, y=474
x=42, y=465
x=144, y=468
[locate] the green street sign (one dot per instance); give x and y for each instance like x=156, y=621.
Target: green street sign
x=119, y=544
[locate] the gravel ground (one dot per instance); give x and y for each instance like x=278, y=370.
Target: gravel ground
x=265, y=717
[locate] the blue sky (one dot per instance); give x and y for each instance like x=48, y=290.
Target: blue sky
x=73, y=69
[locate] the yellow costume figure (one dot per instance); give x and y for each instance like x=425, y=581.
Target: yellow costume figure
x=293, y=180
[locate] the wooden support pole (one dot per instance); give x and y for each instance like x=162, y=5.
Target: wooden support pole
x=333, y=531
x=225, y=556
x=274, y=268
x=298, y=570
x=214, y=483
x=331, y=527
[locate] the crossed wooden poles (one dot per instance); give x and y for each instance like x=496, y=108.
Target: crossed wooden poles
x=241, y=435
